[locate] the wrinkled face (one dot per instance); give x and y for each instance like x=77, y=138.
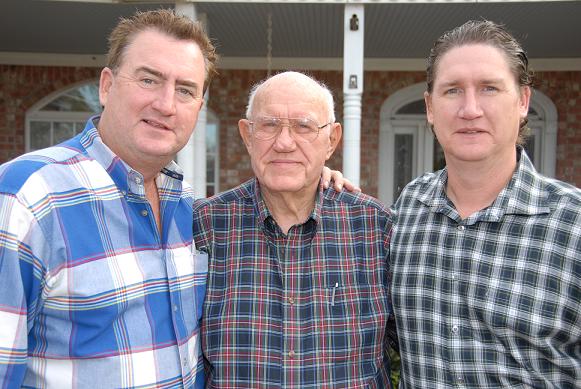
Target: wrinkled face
x=476, y=105
x=287, y=163
x=151, y=102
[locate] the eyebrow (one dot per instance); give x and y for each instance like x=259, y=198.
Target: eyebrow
x=159, y=74
x=484, y=81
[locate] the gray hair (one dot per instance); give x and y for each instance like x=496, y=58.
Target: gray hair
x=325, y=92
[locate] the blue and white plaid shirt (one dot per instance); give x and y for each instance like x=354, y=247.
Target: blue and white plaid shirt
x=494, y=300
x=90, y=294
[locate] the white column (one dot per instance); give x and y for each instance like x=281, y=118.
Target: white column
x=352, y=90
x=192, y=158
x=199, y=140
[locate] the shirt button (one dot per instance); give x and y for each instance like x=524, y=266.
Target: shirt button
x=291, y=354
x=175, y=308
x=184, y=362
x=291, y=300
x=144, y=213
x=461, y=228
x=138, y=180
x=454, y=329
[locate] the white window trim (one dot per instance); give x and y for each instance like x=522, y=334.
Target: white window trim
x=34, y=113
x=387, y=119
x=547, y=112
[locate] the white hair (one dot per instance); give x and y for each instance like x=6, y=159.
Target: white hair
x=325, y=92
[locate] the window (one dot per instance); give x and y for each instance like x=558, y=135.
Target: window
x=61, y=116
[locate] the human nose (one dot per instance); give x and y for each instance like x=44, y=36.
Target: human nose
x=164, y=101
x=284, y=139
x=470, y=108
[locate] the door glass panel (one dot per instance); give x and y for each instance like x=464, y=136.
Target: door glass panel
x=403, y=166
x=439, y=162
x=529, y=147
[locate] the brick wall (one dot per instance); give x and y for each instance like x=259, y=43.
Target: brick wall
x=22, y=86
x=564, y=89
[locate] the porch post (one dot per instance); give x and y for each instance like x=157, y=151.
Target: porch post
x=352, y=89
x=192, y=158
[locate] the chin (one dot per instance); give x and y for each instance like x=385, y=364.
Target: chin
x=282, y=184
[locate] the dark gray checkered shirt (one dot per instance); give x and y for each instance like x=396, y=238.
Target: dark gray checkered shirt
x=493, y=300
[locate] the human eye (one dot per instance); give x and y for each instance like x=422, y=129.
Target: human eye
x=269, y=123
x=186, y=93
x=489, y=89
x=452, y=91
x=304, y=125
x=148, y=82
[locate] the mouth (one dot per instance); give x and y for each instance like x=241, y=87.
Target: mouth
x=283, y=162
x=470, y=131
x=156, y=124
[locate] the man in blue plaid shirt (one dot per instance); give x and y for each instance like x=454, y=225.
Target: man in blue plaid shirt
x=298, y=277
x=486, y=253
x=100, y=284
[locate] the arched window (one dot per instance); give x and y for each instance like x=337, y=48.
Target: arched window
x=63, y=114
x=408, y=149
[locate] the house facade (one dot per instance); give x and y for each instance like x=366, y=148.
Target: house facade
x=41, y=104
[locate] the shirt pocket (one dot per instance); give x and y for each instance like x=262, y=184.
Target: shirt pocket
x=355, y=322
x=191, y=270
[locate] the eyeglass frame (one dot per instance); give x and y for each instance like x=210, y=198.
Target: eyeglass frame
x=290, y=126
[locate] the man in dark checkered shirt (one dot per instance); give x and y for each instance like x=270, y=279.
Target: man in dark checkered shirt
x=486, y=253
x=298, y=287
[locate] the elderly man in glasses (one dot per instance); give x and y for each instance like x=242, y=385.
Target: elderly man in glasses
x=297, y=293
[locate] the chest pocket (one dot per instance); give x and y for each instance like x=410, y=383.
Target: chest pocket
x=352, y=330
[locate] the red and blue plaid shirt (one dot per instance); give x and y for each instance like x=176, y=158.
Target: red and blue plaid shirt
x=309, y=309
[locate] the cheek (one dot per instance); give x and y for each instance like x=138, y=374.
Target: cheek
x=258, y=155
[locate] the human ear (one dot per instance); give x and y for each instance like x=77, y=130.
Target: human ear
x=245, y=133
x=105, y=83
x=334, y=138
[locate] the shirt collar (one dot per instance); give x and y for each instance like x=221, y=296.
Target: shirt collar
x=266, y=218
x=524, y=194
x=125, y=178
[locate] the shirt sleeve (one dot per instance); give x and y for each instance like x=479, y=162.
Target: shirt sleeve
x=20, y=280
x=202, y=228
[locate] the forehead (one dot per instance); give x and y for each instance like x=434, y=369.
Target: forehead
x=164, y=52
x=472, y=59
x=292, y=97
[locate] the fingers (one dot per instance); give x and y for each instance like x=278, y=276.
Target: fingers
x=350, y=187
x=326, y=177
x=339, y=182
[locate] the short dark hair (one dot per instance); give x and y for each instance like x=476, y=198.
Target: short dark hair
x=165, y=21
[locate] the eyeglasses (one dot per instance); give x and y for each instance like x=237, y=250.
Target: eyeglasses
x=266, y=128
